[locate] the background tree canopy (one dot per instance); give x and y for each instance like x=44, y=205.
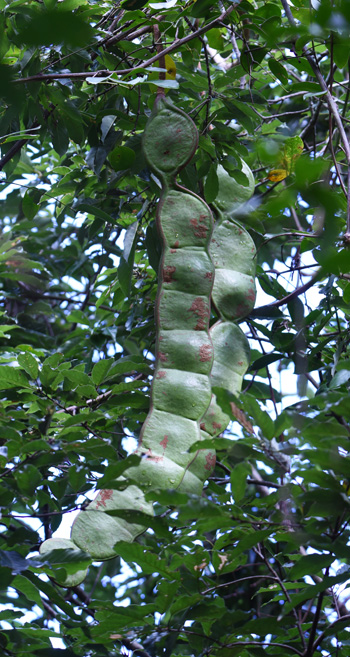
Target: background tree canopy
x=257, y=565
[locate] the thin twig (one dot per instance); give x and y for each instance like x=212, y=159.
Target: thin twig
x=89, y=402
x=296, y=293
x=177, y=43
x=261, y=553
x=324, y=634
x=236, y=581
x=271, y=644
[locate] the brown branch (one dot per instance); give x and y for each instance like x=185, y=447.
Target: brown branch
x=236, y=581
x=89, y=402
x=177, y=43
x=260, y=551
x=16, y=147
x=254, y=482
x=323, y=634
x=271, y=644
x=296, y=293
x=159, y=49
x=12, y=152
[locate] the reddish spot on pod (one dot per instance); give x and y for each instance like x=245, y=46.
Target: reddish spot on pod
x=205, y=353
x=161, y=374
x=240, y=231
x=200, y=309
x=104, y=496
x=173, y=250
x=242, y=309
x=240, y=363
x=210, y=461
x=202, y=426
x=217, y=425
x=168, y=273
x=209, y=275
x=153, y=457
x=251, y=294
x=176, y=244
x=199, y=231
x=164, y=442
x=162, y=357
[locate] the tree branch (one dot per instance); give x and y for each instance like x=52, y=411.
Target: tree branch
x=323, y=634
x=264, y=643
x=296, y=293
x=126, y=71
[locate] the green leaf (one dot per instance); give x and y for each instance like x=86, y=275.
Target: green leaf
x=113, y=472
x=238, y=478
x=100, y=369
x=278, y=70
x=340, y=51
x=121, y=158
x=5, y=330
x=339, y=379
x=12, y=377
x=28, y=478
x=211, y=186
x=53, y=27
x=312, y=590
x=165, y=84
x=14, y=561
x=77, y=377
x=95, y=211
x=334, y=261
x=30, y=208
x=148, y=561
x=310, y=564
x=29, y=364
x=215, y=39
x=25, y=586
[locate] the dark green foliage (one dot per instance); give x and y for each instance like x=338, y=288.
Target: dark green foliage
x=258, y=564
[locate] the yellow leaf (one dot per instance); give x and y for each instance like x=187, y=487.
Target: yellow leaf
x=170, y=68
x=169, y=75
x=276, y=175
x=293, y=148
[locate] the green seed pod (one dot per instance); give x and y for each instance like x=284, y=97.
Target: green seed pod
x=170, y=139
x=94, y=531
x=231, y=194
x=181, y=389
x=183, y=410
x=64, y=544
x=234, y=256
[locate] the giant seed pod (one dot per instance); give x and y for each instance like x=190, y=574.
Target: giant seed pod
x=231, y=194
x=234, y=256
x=181, y=389
x=183, y=409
